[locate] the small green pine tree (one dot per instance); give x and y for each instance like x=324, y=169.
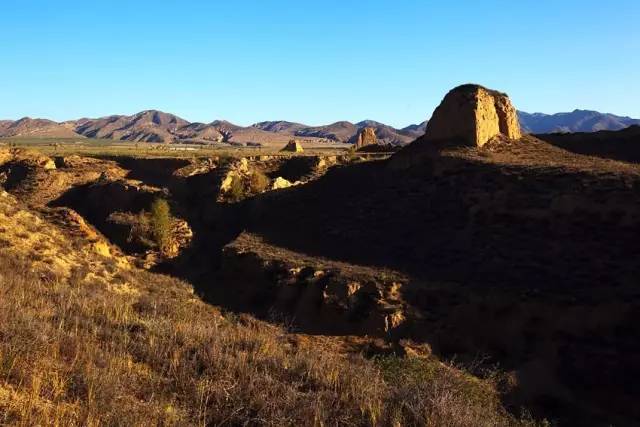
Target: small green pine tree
x=160, y=222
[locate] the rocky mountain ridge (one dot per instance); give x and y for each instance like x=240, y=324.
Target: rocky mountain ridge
x=574, y=121
x=157, y=126
x=27, y=126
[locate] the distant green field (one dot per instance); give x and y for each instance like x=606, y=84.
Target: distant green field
x=110, y=147
x=44, y=141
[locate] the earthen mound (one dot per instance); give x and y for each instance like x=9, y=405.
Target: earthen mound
x=293, y=147
x=474, y=115
x=366, y=136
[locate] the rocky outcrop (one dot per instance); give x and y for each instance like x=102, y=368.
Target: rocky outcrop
x=322, y=296
x=293, y=147
x=280, y=183
x=234, y=180
x=28, y=158
x=366, y=136
x=473, y=115
x=77, y=162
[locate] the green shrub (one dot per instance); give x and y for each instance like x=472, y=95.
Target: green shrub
x=236, y=190
x=160, y=223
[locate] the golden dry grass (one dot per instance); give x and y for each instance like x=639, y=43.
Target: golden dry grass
x=141, y=349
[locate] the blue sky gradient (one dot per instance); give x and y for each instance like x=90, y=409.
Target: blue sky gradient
x=313, y=62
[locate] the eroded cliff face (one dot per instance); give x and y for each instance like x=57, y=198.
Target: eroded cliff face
x=507, y=118
x=474, y=115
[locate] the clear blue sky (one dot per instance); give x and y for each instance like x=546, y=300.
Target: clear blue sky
x=313, y=62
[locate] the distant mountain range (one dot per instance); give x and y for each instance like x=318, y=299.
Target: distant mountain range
x=156, y=126
x=36, y=128
x=575, y=121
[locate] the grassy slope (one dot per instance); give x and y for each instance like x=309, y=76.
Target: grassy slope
x=90, y=341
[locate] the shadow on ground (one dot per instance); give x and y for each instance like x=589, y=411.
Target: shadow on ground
x=535, y=266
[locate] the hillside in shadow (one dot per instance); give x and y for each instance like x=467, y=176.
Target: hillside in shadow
x=467, y=218
x=618, y=145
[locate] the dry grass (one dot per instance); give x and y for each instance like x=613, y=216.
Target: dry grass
x=74, y=353
x=107, y=346
x=258, y=181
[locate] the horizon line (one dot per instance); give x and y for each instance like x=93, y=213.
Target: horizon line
x=284, y=120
